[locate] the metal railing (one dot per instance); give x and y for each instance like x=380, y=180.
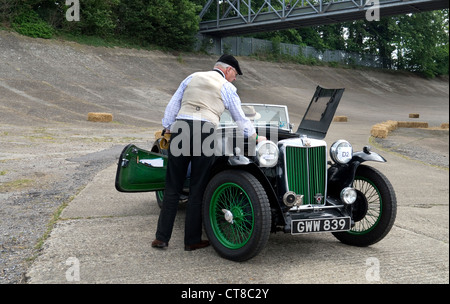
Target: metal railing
x=243, y=46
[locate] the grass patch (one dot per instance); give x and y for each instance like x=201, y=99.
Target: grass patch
x=15, y=185
x=39, y=138
x=51, y=223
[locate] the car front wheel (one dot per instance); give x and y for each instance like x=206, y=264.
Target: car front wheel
x=236, y=215
x=374, y=211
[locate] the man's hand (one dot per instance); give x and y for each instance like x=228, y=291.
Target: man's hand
x=258, y=138
x=261, y=138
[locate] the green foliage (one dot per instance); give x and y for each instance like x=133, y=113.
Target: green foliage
x=276, y=46
x=441, y=58
x=97, y=18
x=165, y=23
x=169, y=23
x=403, y=42
x=30, y=24
x=284, y=36
x=422, y=43
x=416, y=42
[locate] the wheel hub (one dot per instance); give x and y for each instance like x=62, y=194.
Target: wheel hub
x=228, y=216
x=360, y=207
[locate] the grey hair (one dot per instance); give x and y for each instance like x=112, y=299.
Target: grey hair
x=222, y=64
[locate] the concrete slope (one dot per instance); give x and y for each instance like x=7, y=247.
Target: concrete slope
x=51, y=156
x=48, y=81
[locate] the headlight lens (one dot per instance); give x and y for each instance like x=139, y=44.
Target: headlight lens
x=267, y=153
x=341, y=152
x=348, y=195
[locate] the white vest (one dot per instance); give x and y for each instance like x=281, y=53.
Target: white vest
x=202, y=98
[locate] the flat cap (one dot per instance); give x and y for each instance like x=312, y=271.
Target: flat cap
x=229, y=59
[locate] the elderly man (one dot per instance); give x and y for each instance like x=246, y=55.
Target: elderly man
x=199, y=100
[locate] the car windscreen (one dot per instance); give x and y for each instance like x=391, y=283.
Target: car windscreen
x=260, y=115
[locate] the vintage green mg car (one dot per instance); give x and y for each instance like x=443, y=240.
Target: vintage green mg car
x=286, y=183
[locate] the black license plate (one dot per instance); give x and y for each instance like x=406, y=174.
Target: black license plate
x=320, y=225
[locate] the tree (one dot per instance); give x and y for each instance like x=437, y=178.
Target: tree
x=97, y=18
x=169, y=23
x=422, y=43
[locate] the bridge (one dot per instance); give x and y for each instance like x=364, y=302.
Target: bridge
x=239, y=17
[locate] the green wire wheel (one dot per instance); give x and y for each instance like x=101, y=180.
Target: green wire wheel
x=236, y=215
x=231, y=215
x=374, y=210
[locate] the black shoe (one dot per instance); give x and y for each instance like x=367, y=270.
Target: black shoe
x=200, y=245
x=159, y=244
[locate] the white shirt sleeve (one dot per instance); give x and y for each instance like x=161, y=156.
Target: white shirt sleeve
x=174, y=105
x=232, y=103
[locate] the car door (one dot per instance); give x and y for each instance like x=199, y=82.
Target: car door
x=139, y=170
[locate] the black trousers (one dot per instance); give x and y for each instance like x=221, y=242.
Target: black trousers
x=186, y=147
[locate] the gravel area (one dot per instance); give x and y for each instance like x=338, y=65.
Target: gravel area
x=41, y=170
x=430, y=146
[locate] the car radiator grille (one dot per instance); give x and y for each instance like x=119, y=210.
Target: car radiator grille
x=306, y=170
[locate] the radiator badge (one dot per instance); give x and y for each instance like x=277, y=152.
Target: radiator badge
x=319, y=198
x=307, y=142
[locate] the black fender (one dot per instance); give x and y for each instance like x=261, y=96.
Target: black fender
x=341, y=176
x=367, y=155
x=246, y=164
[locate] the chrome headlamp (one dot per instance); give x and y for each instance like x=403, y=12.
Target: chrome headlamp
x=341, y=152
x=348, y=195
x=267, y=153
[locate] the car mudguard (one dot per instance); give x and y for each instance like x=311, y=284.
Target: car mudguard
x=367, y=155
x=244, y=163
x=341, y=176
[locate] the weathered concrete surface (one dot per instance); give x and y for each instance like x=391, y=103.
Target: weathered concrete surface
x=48, y=87
x=110, y=234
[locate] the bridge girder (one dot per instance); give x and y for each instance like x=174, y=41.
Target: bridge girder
x=238, y=17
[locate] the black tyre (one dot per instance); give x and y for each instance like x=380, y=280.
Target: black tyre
x=236, y=215
x=374, y=211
